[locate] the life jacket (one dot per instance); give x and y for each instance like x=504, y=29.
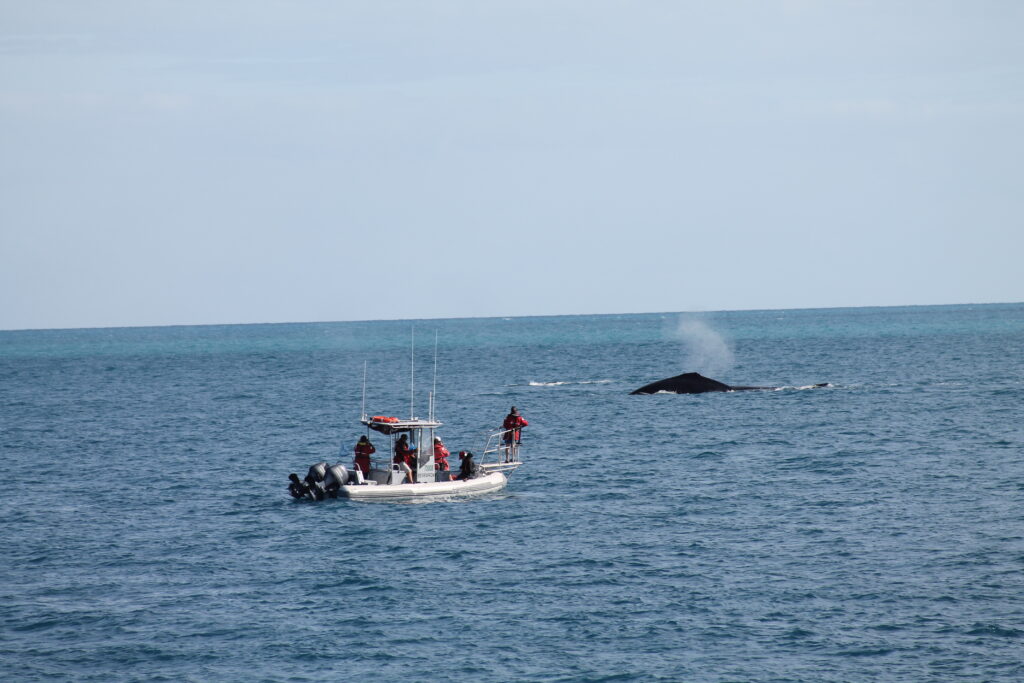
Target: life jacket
x=404, y=454
x=363, y=451
x=515, y=423
x=441, y=455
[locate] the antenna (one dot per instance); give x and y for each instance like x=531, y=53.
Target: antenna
x=363, y=416
x=412, y=374
x=433, y=394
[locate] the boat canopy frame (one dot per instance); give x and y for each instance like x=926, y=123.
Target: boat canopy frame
x=393, y=425
x=422, y=433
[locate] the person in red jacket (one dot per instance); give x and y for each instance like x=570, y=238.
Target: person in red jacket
x=405, y=457
x=441, y=458
x=513, y=425
x=364, y=449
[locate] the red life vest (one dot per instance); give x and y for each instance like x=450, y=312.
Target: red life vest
x=441, y=456
x=405, y=454
x=515, y=423
x=363, y=451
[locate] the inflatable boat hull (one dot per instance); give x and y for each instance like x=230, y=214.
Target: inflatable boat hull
x=488, y=483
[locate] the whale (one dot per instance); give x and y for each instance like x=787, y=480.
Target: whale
x=695, y=383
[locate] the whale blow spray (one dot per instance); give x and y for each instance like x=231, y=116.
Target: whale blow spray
x=705, y=350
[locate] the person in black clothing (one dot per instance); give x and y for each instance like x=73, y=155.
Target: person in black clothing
x=468, y=469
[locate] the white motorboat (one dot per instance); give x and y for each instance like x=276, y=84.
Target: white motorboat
x=385, y=477
x=388, y=480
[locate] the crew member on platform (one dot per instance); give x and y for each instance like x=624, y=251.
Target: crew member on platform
x=513, y=425
x=364, y=449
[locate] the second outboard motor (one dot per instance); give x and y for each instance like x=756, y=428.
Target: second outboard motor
x=335, y=477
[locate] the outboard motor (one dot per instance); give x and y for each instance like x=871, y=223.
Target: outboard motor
x=335, y=477
x=315, y=480
x=296, y=487
x=316, y=472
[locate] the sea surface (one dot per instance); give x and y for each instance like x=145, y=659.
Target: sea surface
x=870, y=530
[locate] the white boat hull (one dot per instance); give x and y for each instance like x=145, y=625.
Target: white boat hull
x=488, y=483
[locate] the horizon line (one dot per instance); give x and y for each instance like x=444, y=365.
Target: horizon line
x=490, y=317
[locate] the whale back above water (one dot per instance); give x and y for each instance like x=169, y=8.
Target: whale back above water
x=690, y=383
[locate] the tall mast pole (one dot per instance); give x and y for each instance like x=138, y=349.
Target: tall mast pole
x=412, y=374
x=433, y=394
x=363, y=416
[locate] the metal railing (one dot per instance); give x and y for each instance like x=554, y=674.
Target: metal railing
x=505, y=453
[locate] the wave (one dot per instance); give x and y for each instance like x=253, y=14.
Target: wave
x=786, y=388
x=558, y=384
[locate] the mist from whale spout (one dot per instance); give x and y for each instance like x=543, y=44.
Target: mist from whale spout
x=705, y=349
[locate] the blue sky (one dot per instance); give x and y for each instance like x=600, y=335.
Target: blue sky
x=266, y=161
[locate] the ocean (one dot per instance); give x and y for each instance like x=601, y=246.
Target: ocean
x=870, y=530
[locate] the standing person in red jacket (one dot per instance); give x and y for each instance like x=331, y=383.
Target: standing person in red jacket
x=364, y=449
x=513, y=425
x=441, y=459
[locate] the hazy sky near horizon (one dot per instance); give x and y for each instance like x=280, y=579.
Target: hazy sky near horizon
x=266, y=161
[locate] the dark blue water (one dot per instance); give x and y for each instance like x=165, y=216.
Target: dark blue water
x=871, y=530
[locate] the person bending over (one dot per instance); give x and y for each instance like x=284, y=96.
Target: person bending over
x=404, y=454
